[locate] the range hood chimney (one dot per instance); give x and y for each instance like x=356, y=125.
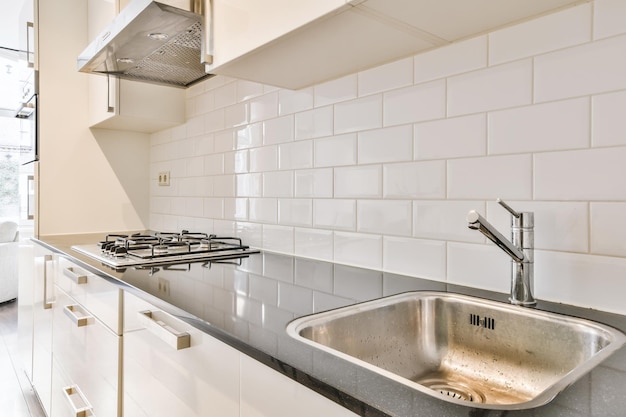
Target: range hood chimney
x=152, y=42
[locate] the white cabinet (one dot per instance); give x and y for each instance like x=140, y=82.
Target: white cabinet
x=298, y=44
x=25, y=309
x=172, y=369
x=128, y=105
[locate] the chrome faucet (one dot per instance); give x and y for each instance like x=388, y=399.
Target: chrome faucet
x=520, y=249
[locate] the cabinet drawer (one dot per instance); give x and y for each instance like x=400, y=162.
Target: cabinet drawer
x=166, y=378
x=96, y=294
x=87, y=352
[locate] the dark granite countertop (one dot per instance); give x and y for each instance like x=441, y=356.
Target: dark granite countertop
x=247, y=304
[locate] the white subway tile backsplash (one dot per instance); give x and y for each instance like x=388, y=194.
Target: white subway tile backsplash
x=358, y=182
x=386, y=77
x=508, y=177
x=392, y=144
x=607, y=229
x=334, y=91
x=358, y=249
x=503, y=86
x=360, y=114
x=608, y=121
x=425, y=179
x=454, y=59
x=580, y=175
x=415, y=257
x=334, y=214
x=379, y=169
x=591, y=68
x=542, y=127
x=314, y=183
x=415, y=104
x=335, y=150
x=314, y=123
x=451, y=138
x=539, y=35
x=608, y=18
x=385, y=217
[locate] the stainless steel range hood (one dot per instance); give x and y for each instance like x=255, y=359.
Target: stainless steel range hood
x=152, y=42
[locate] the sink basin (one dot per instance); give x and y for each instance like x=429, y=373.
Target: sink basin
x=462, y=349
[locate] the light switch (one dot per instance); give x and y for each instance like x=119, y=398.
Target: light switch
x=164, y=178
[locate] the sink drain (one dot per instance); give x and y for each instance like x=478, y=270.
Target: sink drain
x=453, y=389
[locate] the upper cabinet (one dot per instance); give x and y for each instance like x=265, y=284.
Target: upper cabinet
x=128, y=105
x=298, y=44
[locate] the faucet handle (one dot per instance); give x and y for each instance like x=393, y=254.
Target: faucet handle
x=508, y=208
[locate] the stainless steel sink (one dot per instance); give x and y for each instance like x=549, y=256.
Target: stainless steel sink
x=462, y=349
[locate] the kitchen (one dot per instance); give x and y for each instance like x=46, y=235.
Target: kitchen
x=527, y=113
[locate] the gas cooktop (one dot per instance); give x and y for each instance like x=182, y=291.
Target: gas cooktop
x=164, y=248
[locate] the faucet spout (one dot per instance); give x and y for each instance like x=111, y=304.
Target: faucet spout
x=477, y=222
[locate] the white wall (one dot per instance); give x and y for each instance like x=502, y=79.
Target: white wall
x=379, y=169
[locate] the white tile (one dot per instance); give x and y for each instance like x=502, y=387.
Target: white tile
x=445, y=220
x=591, y=68
x=278, y=238
x=249, y=136
x=251, y=233
x=195, y=166
x=290, y=101
x=279, y=130
x=608, y=18
x=236, y=162
x=584, y=280
x=194, y=206
x=507, y=85
x=450, y=138
x=415, y=104
x=236, y=115
x=312, y=243
x=214, y=164
x=358, y=249
x=314, y=123
x=214, y=121
x=543, y=127
x=295, y=212
x=247, y=90
x=580, y=175
x=415, y=257
x=264, y=159
x=334, y=91
x=386, y=77
x=607, y=225
x=334, y=214
x=358, y=182
x=508, y=177
x=415, y=180
x=562, y=226
x=214, y=208
x=295, y=155
x=278, y=184
x=335, y=150
x=236, y=208
x=264, y=107
x=360, y=114
x=263, y=210
x=456, y=58
x=388, y=217
x=608, y=121
x=196, y=126
x=392, y=144
x=225, y=95
x=224, y=141
x=249, y=185
x=479, y=266
x=224, y=185
x=314, y=183
x=538, y=36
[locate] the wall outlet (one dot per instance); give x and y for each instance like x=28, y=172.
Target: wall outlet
x=164, y=178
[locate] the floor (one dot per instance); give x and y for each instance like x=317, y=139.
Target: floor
x=17, y=398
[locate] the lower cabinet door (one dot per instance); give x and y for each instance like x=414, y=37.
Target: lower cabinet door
x=87, y=353
x=172, y=369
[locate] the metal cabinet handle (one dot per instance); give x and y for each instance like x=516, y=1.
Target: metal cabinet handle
x=110, y=106
x=174, y=338
x=79, y=404
x=72, y=273
x=29, y=26
x=46, y=304
x=207, y=44
x=77, y=315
